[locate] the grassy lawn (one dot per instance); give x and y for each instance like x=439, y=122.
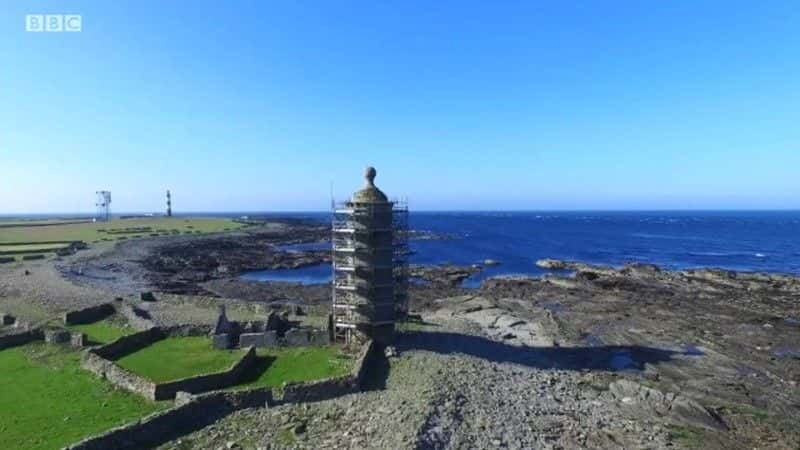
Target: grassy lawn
x=102, y=332
x=279, y=365
x=176, y=358
x=48, y=402
x=114, y=229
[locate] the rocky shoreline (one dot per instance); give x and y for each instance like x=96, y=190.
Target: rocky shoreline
x=584, y=356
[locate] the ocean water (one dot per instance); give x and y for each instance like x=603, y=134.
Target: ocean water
x=743, y=241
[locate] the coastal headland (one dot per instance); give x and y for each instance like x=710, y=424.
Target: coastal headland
x=584, y=357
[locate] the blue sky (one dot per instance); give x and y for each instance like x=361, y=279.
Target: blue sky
x=460, y=105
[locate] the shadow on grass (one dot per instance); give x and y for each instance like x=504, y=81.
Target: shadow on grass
x=601, y=358
x=260, y=366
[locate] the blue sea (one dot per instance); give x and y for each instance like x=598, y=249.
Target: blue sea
x=745, y=241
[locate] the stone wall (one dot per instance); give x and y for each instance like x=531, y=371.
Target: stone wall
x=265, y=339
x=89, y=315
x=117, y=375
x=188, y=330
x=168, y=425
x=13, y=340
x=221, y=341
x=57, y=336
x=129, y=344
x=78, y=340
x=208, y=382
x=101, y=362
x=319, y=337
x=365, y=357
x=314, y=391
x=297, y=337
x=192, y=413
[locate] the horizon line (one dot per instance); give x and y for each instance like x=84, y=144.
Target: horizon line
x=308, y=211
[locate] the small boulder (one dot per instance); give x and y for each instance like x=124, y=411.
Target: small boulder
x=551, y=264
x=147, y=297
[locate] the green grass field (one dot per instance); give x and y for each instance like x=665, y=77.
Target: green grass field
x=113, y=229
x=279, y=365
x=47, y=401
x=102, y=332
x=176, y=358
x=26, y=237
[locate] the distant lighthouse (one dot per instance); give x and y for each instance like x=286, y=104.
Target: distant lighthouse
x=169, y=204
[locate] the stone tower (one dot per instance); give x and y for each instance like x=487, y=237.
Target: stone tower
x=369, y=277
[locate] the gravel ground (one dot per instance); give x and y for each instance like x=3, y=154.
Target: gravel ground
x=434, y=400
x=36, y=291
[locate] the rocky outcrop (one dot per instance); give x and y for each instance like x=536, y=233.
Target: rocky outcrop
x=675, y=407
x=451, y=276
x=551, y=264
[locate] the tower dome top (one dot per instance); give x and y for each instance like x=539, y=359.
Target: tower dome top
x=369, y=193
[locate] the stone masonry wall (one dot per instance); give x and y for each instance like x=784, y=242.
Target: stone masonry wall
x=368, y=352
x=332, y=387
x=13, y=340
x=117, y=375
x=162, y=427
x=101, y=362
x=57, y=336
x=129, y=344
x=264, y=339
x=208, y=382
x=89, y=315
x=315, y=391
x=193, y=413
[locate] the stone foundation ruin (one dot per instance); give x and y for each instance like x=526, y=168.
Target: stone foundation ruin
x=275, y=331
x=199, y=400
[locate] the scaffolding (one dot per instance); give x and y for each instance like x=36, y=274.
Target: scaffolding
x=401, y=252
x=370, y=268
x=103, y=205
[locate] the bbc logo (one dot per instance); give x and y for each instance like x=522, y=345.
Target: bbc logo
x=53, y=22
